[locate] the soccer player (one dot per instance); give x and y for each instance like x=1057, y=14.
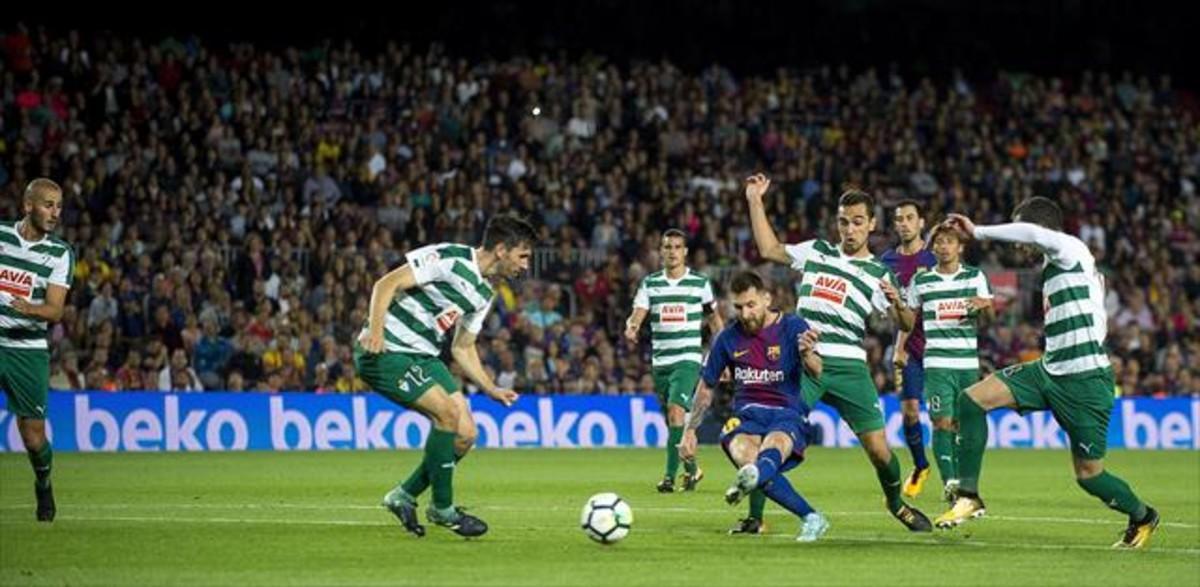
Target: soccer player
x=1073, y=379
x=767, y=351
x=677, y=300
x=35, y=274
x=440, y=287
x=909, y=258
x=953, y=301
x=841, y=286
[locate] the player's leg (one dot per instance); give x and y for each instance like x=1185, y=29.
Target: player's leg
x=662, y=389
x=440, y=458
x=25, y=377
x=464, y=441
x=753, y=523
x=1082, y=406
x=683, y=390
x=1015, y=386
x=911, y=389
x=852, y=393
x=942, y=389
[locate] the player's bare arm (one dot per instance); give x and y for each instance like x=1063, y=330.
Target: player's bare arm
x=769, y=246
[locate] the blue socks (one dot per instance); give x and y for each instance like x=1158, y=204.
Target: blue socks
x=914, y=437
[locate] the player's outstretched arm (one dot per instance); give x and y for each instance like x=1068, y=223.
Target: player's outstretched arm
x=769, y=246
x=1053, y=243
x=382, y=294
x=467, y=357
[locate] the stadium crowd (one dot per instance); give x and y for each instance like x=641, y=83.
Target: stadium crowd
x=231, y=206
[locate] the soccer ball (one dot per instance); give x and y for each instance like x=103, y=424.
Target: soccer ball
x=606, y=518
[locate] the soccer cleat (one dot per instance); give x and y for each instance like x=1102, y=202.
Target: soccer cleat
x=460, y=523
x=747, y=481
x=915, y=482
x=815, y=526
x=749, y=526
x=405, y=510
x=966, y=507
x=45, y=503
x=913, y=519
x=666, y=485
x=689, y=481
x=1137, y=535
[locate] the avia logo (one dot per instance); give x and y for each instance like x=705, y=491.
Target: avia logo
x=951, y=309
x=15, y=282
x=673, y=314
x=828, y=288
x=447, y=319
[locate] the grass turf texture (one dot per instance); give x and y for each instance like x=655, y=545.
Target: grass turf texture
x=313, y=518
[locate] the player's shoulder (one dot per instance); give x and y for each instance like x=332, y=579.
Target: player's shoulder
x=874, y=267
x=11, y=224
x=823, y=247
x=454, y=251
x=970, y=272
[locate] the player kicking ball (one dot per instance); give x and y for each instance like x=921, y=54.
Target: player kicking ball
x=768, y=351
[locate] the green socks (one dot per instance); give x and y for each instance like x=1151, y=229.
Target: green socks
x=439, y=466
x=674, y=435
x=41, y=461
x=889, y=480
x=1115, y=493
x=943, y=453
x=972, y=439
x=758, y=503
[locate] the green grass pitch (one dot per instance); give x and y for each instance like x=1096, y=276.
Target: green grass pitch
x=314, y=519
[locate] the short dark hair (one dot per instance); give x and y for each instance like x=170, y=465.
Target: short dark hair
x=1040, y=211
x=910, y=202
x=744, y=280
x=509, y=230
x=674, y=233
x=853, y=196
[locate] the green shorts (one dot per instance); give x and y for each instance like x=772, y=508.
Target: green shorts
x=942, y=387
x=846, y=386
x=1081, y=404
x=676, y=384
x=403, y=377
x=25, y=379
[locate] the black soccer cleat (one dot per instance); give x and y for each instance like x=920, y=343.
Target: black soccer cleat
x=45, y=503
x=461, y=523
x=913, y=519
x=749, y=526
x=667, y=485
x=1137, y=535
x=689, y=481
x=406, y=512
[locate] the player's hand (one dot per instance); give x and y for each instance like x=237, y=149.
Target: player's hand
x=371, y=342
x=961, y=223
x=505, y=396
x=22, y=305
x=631, y=335
x=757, y=186
x=976, y=305
x=687, y=445
x=893, y=296
x=808, y=341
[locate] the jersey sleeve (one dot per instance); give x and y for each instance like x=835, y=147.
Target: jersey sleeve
x=474, y=321
x=718, y=360
x=1060, y=248
x=982, y=288
x=427, y=265
x=641, y=299
x=800, y=252
x=912, y=299
x=707, y=299
x=878, y=298
x=63, y=272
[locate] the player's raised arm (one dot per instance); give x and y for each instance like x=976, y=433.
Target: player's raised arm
x=1053, y=243
x=382, y=294
x=769, y=246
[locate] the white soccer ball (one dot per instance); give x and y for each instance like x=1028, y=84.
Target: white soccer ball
x=606, y=518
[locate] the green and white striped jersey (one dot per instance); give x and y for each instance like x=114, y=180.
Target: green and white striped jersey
x=951, y=338
x=450, y=289
x=26, y=269
x=838, y=294
x=1072, y=297
x=676, y=309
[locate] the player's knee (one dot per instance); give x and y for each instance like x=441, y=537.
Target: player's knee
x=1087, y=468
x=446, y=416
x=946, y=424
x=33, y=435
x=466, y=439
x=675, y=415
